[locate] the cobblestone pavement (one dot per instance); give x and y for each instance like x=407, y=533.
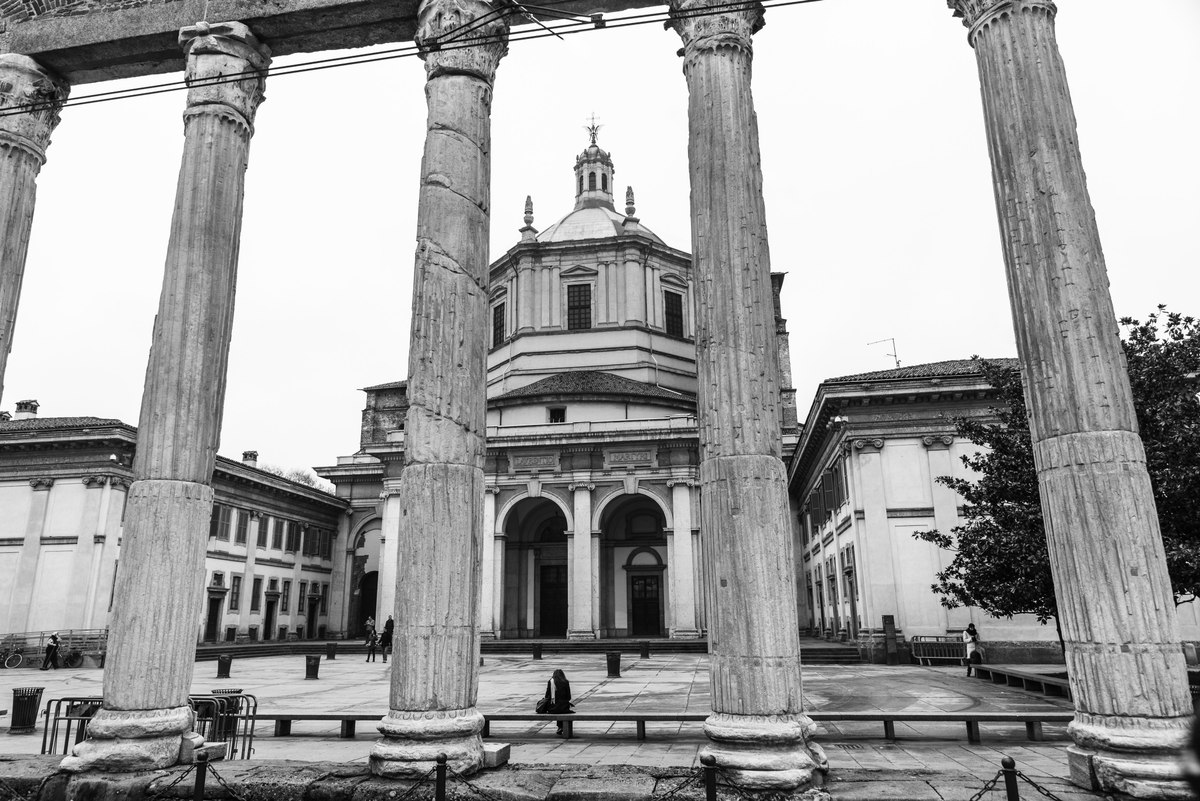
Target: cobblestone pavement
x=670, y=682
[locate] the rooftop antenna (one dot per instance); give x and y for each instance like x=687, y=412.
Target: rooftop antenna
x=893, y=353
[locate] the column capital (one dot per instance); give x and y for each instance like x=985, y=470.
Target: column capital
x=41, y=483
x=94, y=481
x=704, y=31
x=446, y=49
x=938, y=441
x=216, y=52
x=491, y=489
x=582, y=487
x=977, y=13
x=24, y=84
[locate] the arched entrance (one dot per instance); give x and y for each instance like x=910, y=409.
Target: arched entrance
x=368, y=599
x=364, y=579
x=634, y=591
x=536, y=588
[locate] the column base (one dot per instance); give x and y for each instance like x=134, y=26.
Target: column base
x=1140, y=761
x=487, y=634
x=133, y=740
x=766, y=752
x=581, y=634
x=412, y=741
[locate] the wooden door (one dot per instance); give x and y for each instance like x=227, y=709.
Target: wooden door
x=644, y=603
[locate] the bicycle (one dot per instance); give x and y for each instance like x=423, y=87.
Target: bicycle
x=73, y=658
x=12, y=656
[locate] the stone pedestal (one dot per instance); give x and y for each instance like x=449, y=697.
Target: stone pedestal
x=1115, y=604
x=23, y=141
x=160, y=579
x=435, y=679
x=758, y=731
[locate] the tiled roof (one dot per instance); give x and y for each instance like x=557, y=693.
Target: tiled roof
x=45, y=423
x=930, y=370
x=389, y=385
x=591, y=382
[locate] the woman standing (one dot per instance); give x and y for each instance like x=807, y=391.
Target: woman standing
x=371, y=643
x=971, y=639
x=561, y=705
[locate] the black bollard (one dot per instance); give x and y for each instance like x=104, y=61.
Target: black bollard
x=201, y=765
x=312, y=666
x=223, y=663
x=644, y=649
x=613, y=658
x=439, y=789
x=537, y=650
x=710, y=776
x=331, y=650
x=1009, y=769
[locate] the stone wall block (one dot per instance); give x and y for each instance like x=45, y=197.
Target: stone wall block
x=166, y=533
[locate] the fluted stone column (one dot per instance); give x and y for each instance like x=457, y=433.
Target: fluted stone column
x=23, y=141
x=757, y=728
x=1126, y=665
x=435, y=678
x=151, y=646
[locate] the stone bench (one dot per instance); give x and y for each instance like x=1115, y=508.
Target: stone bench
x=1025, y=679
x=283, y=720
x=638, y=718
x=1033, y=720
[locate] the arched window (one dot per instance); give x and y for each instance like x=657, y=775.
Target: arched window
x=591, y=182
x=580, y=192
x=604, y=182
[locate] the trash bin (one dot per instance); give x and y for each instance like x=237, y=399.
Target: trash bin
x=331, y=650
x=537, y=650
x=614, y=663
x=223, y=663
x=644, y=649
x=26, y=701
x=312, y=665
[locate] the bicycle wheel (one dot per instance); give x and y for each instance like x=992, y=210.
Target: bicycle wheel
x=73, y=659
x=13, y=660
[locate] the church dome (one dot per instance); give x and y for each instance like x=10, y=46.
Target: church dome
x=595, y=222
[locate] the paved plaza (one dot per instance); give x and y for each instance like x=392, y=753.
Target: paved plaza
x=934, y=756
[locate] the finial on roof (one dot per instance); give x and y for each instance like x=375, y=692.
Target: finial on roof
x=593, y=128
x=528, y=232
x=630, y=210
x=529, y=209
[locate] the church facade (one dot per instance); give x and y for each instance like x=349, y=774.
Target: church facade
x=591, y=518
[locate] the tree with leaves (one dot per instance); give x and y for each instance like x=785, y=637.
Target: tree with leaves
x=1001, y=563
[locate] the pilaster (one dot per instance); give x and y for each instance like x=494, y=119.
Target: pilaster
x=487, y=598
x=31, y=550
x=24, y=138
x=151, y=648
x=758, y=731
x=434, y=680
x=683, y=584
x=1116, y=610
x=580, y=554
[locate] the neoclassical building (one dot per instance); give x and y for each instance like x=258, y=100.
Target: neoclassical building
x=269, y=567
x=591, y=519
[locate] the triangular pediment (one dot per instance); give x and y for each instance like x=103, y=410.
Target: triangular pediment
x=579, y=271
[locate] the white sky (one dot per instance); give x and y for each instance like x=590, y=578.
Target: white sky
x=878, y=195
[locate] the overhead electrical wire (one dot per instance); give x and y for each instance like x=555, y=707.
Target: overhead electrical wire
x=451, y=40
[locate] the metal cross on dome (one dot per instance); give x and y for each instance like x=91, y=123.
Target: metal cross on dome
x=594, y=128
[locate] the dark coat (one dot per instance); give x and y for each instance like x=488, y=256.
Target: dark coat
x=561, y=701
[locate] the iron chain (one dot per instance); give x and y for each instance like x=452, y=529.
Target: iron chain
x=13, y=794
x=1039, y=787
x=988, y=787
x=222, y=782
x=687, y=781
x=459, y=777
x=161, y=791
x=420, y=781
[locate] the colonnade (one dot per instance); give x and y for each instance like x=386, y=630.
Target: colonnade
x=1118, y=618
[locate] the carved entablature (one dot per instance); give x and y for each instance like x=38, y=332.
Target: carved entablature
x=214, y=52
x=23, y=83
x=703, y=31
x=868, y=444
x=938, y=441
x=629, y=457
x=977, y=13
x=444, y=45
x=40, y=484
x=528, y=462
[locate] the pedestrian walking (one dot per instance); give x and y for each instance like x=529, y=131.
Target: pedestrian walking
x=385, y=639
x=974, y=651
x=372, y=643
x=51, y=660
x=560, y=703
x=370, y=623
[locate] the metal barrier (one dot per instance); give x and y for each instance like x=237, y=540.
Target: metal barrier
x=225, y=716
x=926, y=648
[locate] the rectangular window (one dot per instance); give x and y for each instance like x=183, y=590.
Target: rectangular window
x=497, y=324
x=223, y=528
x=264, y=526
x=219, y=527
x=243, y=526
x=235, y=593
x=558, y=414
x=827, y=486
x=673, y=313
x=579, y=306
x=293, y=536
x=277, y=540
x=301, y=594
x=324, y=598
x=214, y=523
x=256, y=598
x=327, y=545
x=285, y=597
